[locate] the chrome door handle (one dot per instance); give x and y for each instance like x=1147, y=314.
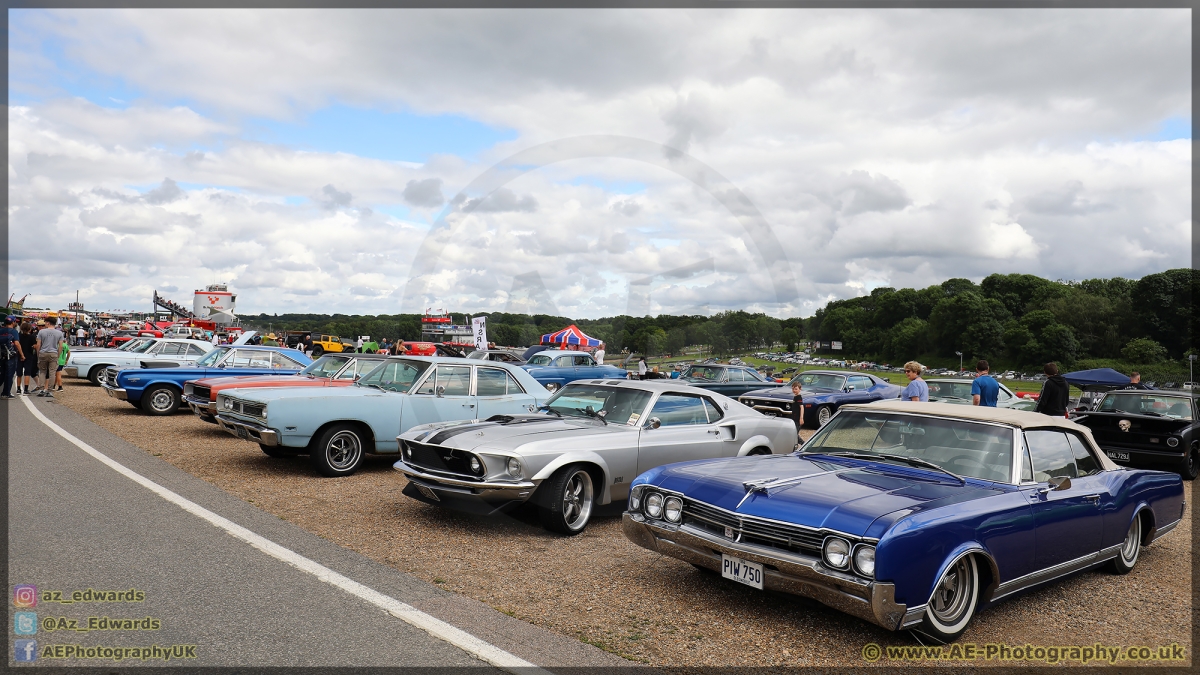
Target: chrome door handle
x=714, y=431
x=1095, y=499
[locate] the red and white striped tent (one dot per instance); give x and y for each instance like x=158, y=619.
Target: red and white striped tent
x=571, y=335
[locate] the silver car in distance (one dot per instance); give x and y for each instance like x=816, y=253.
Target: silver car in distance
x=590, y=440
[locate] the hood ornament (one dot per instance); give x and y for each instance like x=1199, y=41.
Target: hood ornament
x=770, y=486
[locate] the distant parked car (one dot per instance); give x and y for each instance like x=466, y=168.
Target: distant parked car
x=731, y=381
x=581, y=451
x=555, y=368
x=959, y=391
x=159, y=391
x=331, y=370
x=824, y=391
x=504, y=355
x=335, y=427
x=157, y=352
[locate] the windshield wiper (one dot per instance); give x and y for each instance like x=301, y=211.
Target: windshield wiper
x=371, y=384
x=1144, y=412
x=899, y=458
x=595, y=415
x=549, y=409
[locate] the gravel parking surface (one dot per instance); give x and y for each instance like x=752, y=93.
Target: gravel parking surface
x=601, y=589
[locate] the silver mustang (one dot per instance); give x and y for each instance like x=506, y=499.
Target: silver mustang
x=588, y=443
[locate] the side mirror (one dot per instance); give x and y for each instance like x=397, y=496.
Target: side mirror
x=440, y=392
x=1056, y=483
x=849, y=387
x=654, y=423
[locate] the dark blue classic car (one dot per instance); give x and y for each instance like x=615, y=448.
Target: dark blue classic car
x=909, y=515
x=158, y=391
x=553, y=368
x=824, y=391
x=731, y=381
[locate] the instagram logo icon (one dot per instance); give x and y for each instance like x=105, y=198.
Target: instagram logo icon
x=25, y=595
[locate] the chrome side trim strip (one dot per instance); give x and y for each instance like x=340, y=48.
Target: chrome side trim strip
x=1164, y=530
x=1050, y=573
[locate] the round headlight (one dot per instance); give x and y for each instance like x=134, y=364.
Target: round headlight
x=1172, y=441
x=514, y=467
x=552, y=387
x=654, y=505
x=673, y=509
x=864, y=560
x=837, y=552
x=408, y=451
x=228, y=404
x=476, y=466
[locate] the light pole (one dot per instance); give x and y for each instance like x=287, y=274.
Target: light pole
x=1191, y=360
x=959, y=362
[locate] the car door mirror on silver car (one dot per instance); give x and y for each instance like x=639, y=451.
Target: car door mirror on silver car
x=440, y=392
x=654, y=423
x=1055, y=484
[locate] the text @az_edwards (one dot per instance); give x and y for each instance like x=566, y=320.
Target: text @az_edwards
x=92, y=595
x=50, y=624
x=1030, y=653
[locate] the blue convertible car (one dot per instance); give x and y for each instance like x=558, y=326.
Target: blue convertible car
x=909, y=515
x=159, y=391
x=553, y=368
x=336, y=426
x=824, y=391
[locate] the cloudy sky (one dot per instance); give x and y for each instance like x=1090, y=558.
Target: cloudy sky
x=588, y=162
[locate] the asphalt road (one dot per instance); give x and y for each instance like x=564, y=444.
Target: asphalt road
x=76, y=523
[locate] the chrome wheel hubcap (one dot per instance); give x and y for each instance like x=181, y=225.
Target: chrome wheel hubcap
x=344, y=450
x=953, y=593
x=577, y=500
x=161, y=400
x=1129, y=550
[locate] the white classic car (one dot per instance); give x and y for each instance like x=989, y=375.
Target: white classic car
x=592, y=438
x=161, y=352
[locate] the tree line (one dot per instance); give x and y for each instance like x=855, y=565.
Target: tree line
x=1020, y=320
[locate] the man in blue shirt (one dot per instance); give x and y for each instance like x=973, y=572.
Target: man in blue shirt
x=985, y=389
x=10, y=351
x=916, y=390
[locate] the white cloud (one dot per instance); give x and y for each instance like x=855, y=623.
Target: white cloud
x=898, y=146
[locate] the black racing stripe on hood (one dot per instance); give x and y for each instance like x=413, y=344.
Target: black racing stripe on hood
x=495, y=420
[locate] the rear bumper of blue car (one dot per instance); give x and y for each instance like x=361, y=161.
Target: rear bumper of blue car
x=783, y=571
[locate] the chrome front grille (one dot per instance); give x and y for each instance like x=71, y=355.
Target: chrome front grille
x=752, y=530
x=785, y=406
x=202, y=392
x=252, y=409
x=438, y=460
x=110, y=376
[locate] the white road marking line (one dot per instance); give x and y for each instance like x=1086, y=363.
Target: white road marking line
x=407, y=613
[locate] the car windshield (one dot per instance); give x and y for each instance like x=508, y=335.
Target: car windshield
x=133, y=344
x=820, y=381
x=621, y=405
x=1175, y=407
x=706, y=373
x=394, y=375
x=540, y=360
x=212, y=357
x=326, y=366
x=958, y=446
x=143, y=347
x=478, y=354
x=960, y=390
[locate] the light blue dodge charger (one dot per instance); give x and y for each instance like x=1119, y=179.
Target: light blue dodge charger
x=336, y=427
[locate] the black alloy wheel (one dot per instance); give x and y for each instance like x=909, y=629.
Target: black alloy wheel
x=568, y=501
x=338, y=451
x=1191, y=462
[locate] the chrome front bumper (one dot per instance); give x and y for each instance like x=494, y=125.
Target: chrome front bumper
x=793, y=573
x=115, y=392
x=453, y=487
x=204, y=409
x=248, y=431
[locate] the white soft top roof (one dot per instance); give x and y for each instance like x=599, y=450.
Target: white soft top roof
x=1022, y=419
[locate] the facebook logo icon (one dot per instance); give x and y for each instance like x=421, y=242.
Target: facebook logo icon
x=25, y=650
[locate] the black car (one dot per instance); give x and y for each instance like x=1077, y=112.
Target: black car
x=731, y=381
x=1148, y=428
x=824, y=391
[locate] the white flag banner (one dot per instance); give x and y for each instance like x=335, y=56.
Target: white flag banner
x=479, y=327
